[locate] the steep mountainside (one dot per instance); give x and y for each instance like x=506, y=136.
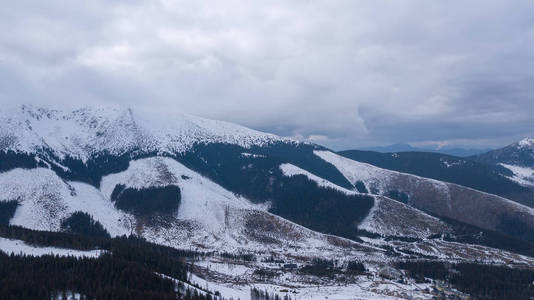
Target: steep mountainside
x=484, y=177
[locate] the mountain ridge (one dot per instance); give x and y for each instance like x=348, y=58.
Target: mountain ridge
x=403, y=147
x=82, y=132
x=489, y=178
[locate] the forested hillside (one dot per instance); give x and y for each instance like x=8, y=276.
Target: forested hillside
x=131, y=268
x=462, y=171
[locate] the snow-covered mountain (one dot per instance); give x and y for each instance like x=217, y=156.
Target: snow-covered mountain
x=433, y=196
x=462, y=171
x=192, y=183
x=517, y=158
x=86, y=132
x=209, y=217
x=81, y=150
x=58, y=144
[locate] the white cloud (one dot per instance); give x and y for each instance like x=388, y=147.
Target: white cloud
x=345, y=72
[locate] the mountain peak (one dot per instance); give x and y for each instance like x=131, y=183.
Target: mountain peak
x=526, y=143
x=87, y=131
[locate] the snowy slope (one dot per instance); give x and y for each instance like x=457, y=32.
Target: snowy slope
x=519, y=154
x=45, y=199
x=521, y=175
x=393, y=218
x=85, y=132
x=518, y=158
x=387, y=217
x=376, y=179
x=208, y=218
x=205, y=205
x=292, y=170
x=526, y=143
x=432, y=196
x=17, y=247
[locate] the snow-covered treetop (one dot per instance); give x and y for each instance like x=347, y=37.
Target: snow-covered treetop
x=83, y=132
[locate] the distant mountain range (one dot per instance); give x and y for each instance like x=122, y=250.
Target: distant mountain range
x=400, y=147
x=300, y=214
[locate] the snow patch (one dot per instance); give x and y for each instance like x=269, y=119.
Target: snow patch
x=292, y=170
x=522, y=175
x=526, y=143
x=449, y=164
x=246, y=154
x=354, y=171
x=18, y=247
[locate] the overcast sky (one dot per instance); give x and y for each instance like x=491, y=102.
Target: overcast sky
x=341, y=73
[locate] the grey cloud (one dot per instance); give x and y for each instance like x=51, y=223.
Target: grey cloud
x=341, y=73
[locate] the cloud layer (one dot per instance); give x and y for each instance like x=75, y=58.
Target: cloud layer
x=341, y=73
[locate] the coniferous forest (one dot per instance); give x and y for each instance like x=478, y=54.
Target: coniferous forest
x=480, y=281
x=84, y=224
x=7, y=209
x=131, y=268
x=143, y=202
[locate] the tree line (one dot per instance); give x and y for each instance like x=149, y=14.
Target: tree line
x=131, y=268
x=481, y=281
